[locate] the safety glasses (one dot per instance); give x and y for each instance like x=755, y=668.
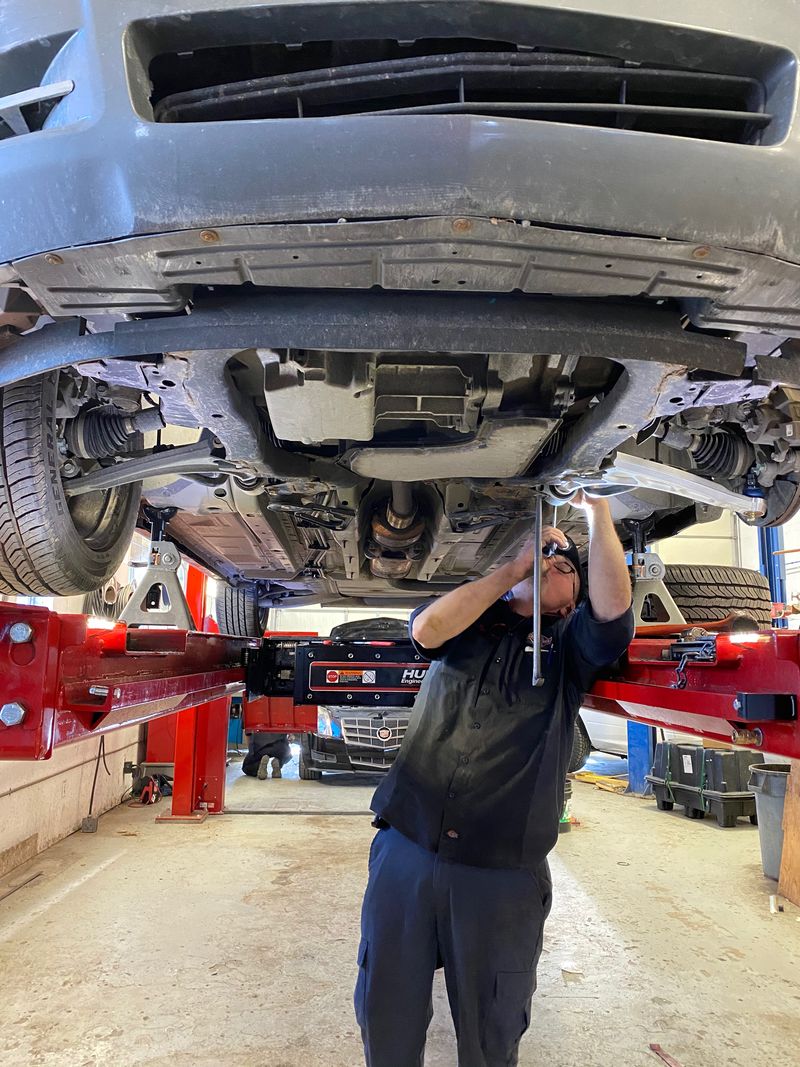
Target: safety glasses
x=563, y=566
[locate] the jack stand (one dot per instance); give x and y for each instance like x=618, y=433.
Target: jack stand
x=159, y=599
x=649, y=591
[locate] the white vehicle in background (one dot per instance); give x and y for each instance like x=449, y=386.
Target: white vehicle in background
x=597, y=731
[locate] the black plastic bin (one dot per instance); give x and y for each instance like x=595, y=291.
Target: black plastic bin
x=704, y=781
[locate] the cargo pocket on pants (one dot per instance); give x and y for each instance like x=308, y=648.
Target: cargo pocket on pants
x=360, y=995
x=509, y=1015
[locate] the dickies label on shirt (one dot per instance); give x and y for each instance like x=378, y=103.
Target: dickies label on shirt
x=546, y=644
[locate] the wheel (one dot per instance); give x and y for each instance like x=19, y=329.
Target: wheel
x=238, y=611
x=695, y=813
x=581, y=747
x=707, y=594
x=783, y=503
x=307, y=773
x=663, y=804
x=726, y=820
x=754, y=819
x=51, y=544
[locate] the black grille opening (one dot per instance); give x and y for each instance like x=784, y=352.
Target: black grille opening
x=454, y=76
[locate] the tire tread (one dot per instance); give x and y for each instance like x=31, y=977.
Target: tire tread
x=238, y=612
x=33, y=556
x=711, y=593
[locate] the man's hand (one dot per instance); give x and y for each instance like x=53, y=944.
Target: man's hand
x=586, y=502
x=522, y=565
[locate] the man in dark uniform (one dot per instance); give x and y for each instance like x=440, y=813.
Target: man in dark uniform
x=265, y=750
x=458, y=874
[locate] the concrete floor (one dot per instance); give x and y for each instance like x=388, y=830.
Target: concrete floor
x=232, y=944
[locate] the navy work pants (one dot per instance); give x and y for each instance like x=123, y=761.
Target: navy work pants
x=482, y=924
x=276, y=746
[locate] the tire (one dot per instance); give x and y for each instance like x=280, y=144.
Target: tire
x=109, y=601
x=581, y=747
x=49, y=545
x=664, y=805
x=238, y=612
x=306, y=772
x=708, y=594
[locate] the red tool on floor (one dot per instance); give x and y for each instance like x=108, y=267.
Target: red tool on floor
x=151, y=793
x=665, y=1056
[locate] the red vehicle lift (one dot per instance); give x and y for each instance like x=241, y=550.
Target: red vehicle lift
x=62, y=680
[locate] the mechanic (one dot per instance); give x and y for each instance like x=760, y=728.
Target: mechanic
x=458, y=875
x=263, y=750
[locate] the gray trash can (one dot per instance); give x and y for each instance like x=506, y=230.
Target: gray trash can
x=768, y=782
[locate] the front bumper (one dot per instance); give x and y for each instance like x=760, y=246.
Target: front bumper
x=101, y=170
x=333, y=754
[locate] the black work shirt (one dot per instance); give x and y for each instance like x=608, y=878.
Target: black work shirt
x=480, y=774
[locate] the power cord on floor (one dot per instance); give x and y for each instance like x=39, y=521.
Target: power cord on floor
x=89, y=824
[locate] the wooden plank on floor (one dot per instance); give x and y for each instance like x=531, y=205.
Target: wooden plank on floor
x=789, y=884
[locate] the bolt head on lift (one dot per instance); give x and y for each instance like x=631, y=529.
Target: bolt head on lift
x=20, y=633
x=12, y=714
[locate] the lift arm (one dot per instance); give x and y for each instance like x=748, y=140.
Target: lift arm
x=62, y=680
x=741, y=688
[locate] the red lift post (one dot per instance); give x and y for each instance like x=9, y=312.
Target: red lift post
x=201, y=738
x=162, y=732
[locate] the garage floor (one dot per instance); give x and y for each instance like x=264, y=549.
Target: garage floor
x=233, y=943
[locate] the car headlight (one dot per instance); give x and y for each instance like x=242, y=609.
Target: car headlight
x=324, y=725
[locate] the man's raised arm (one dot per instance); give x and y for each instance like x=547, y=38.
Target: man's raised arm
x=609, y=581
x=450, y=615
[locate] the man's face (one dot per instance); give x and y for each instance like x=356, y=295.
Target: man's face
x=560, y=586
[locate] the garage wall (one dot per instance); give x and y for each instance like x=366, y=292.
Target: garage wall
x=727, y=542
x=40, y=803
x=320, y=620
x=791, y=542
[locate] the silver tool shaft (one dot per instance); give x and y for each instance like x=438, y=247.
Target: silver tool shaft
x=536, y=636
